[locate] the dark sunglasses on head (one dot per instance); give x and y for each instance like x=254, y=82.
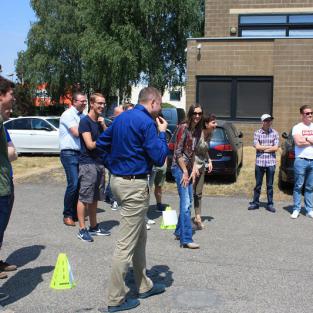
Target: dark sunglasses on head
x=308, y=113
x=197, y=113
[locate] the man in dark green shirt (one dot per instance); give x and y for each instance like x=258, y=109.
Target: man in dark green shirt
x=6, y=183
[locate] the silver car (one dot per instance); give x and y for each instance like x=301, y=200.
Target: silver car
x=35, y=134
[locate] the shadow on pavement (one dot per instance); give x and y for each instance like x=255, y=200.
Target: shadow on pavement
x=24, y=282
x=157, y=273
x=25, y=255
x=108, y=225
x=289, y=209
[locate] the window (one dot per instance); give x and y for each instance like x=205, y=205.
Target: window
x=54, y=121
x=235, y=98
x=175, y=95
x=39, y=124
x=8, y=125
x=21, y=124
x=287, y=25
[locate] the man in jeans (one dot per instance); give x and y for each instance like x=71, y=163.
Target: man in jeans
x=6, y=183
x=266, y=141
x=70, y=148
x=303, y=166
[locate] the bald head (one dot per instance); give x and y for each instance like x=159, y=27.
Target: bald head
x=118, y=110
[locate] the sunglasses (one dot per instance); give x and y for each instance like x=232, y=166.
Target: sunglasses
x=197, y=113
x=308, y=113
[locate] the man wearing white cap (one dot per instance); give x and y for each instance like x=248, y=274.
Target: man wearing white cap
x=303, y=166
x=266, y=141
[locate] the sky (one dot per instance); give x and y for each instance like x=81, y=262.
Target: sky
x=15, y=21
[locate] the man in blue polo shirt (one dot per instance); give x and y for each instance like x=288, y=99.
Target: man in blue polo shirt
x=130, y=147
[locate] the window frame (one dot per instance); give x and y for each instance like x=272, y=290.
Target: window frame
x=266, y=26
x=233, y=100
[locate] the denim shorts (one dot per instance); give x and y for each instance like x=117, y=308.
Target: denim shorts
x=91, y=179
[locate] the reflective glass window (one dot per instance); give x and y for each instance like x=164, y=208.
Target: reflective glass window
x=263, y=33
x=263, y=19
x=305, y=18
x=301, y=33
x=215, y=96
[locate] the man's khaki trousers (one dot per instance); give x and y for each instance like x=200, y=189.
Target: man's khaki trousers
x=133, y=196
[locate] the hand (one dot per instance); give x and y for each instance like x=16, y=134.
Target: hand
x=162, y=124
x=101, y=120
x=210, y=167
x=185, y=180
x=194, y=174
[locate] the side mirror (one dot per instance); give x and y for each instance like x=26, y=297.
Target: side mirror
x=284, y=135
x=240, y=134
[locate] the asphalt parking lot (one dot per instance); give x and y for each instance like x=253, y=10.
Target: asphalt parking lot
x=248, y=262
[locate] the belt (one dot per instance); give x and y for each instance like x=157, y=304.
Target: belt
x=306, y=159
x=130, y=177
x=71, y=150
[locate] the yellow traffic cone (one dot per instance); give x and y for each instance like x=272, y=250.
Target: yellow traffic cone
x=171, y=215
x=62, y=276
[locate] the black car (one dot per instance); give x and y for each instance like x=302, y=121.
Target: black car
x=226, y=150
x=173, y=116
x=286, y=174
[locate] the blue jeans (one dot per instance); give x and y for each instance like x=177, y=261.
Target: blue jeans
x=6, y=205
x=183, y=228
x=259, y=174
x=303, y=173
x=69, y=160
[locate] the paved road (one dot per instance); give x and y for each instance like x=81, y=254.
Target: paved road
x=248, y=261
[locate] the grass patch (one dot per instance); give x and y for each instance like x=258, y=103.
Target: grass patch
x=33, y=165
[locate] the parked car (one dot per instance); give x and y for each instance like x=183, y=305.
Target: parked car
x=226, y=150
x=286, y=173
x=173, y=116
x=35, y=134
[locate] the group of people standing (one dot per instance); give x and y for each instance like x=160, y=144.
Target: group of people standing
x=129, y=148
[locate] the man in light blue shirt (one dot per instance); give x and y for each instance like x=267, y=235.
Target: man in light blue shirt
x=70, y=149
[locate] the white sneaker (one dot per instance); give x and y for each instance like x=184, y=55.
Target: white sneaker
x=114, y=206
x=295, y=214
x=310, y=214
x=148, y=227
x=150, y=222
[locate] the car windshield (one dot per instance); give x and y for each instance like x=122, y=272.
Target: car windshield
x=54, y=121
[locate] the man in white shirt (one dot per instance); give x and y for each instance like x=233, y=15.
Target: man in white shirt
x=303, y=166
x=70, y=150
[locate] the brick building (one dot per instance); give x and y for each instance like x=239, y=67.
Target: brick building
x=256, y=57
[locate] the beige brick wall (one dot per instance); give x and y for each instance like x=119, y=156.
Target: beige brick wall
x=218, y=19
x=289, y=61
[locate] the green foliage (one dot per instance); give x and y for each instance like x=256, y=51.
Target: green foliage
x=167, y=105
x=23, y=104
x=109, y=45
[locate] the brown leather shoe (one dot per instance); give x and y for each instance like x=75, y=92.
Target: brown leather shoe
x=6, y=267
x=3, y=275
x=68, y=221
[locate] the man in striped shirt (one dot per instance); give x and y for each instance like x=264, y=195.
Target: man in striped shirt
x=266, y=141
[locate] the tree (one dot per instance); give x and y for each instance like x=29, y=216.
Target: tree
x=109, y=45
x=23, y=104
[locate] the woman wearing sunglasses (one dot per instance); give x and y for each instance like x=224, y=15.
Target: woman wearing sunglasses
x=202, y=164
x=187, y=138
